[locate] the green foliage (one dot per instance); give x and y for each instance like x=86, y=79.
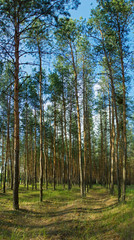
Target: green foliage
x=67, y=29
x=55, y=85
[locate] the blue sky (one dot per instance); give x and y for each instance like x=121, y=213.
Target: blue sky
x=84, y=11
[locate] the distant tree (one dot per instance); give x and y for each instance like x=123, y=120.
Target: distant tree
x=110, y=19
x=17, y=17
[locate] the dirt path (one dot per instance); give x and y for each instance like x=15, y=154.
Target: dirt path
x=82, y=219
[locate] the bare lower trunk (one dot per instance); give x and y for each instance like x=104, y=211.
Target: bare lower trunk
x=45, y=157
x=41, y=129
x=117, y=124
x=90, y=156
x=105, y=150
x=109, y=177
x=102, y=151
x=11, y=171
x=63, y=164
x=35, y=156
x=54, y=155
x=79, y=123
x=65, y=130
x=7, y=149
x=124, y=115
x=85, y=130
x=16, y=118
x=2, y=167
x=112, y=151
x=70, y=147
x=26, y=146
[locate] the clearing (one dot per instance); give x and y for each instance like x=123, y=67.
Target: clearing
x=64, y=215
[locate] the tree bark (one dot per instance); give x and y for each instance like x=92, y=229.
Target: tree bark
x=26, y=145
x=7, y=148
x=90, y=156
x=54, y=155
x=65, y=130
x=70, y=146
x=2, y=167
x=41, y=129
x=16, y=115
x=124, y=115
x=110, y=131
x=85, y=130
x=79, y=123
x=35, y=155
x=45, y=157
x=63, y=164
x=117, y=124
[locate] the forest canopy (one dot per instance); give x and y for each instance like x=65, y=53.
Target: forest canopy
x=66, y=106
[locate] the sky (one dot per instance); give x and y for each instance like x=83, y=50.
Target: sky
x=84, y=11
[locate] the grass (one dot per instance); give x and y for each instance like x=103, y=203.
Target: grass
x=64, y=215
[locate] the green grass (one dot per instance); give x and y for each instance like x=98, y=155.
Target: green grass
x=65, y=215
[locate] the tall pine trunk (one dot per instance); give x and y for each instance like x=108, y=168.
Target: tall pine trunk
x=124, y=114
x=85, y=130
x=35, y=155
x=2, y=167
x=70, y=146
x=7, y=149
x=79, y=123
x=16, y=115
x=45, y=157
x=54, y=155
x=65, y=130
x=63, y=164
x=41, y=128
x=117, y=124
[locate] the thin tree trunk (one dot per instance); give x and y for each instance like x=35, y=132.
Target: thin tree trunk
x=90, y=156
x=54, y=156
x=47, y=161
x=32, y=161
x=112, y=151
x=45, y=158
x=79, y=123
x=105, y=147
x=85, y=130
x=63, y=164
x=105, y=151
x=118, y=133
x=12, y=164
x=7, y=149
x=58, y=158
x=66, y=148
x=70, y=146
x=102, y=151
x=16, y=117
x=110, y=136
x=124, y=115
x=41, y=129
x=35, y=155
x=116, y=115
x=2, y=167
x=26, y=145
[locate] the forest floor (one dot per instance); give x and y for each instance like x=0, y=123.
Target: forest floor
x=64, y=215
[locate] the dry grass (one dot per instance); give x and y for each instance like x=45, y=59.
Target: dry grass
x=63, y=215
